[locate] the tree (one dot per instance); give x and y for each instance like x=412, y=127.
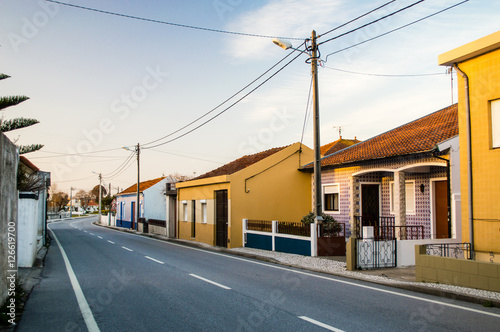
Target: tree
x=178, y=177
x=59, y=200
x=84, y=197
x=95, y=193
x=106, y=202
x=16, y=123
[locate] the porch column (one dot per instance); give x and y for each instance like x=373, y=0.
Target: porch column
x=400, y=198
x=354, y=201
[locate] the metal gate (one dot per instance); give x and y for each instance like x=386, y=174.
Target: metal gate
x=375, y=253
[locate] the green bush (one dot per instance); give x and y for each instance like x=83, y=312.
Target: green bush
x=331, y=225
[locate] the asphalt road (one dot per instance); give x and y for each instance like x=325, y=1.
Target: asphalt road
x=125, y=282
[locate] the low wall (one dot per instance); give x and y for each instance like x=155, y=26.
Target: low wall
x=157, y=230
x=458, y=272
x=28, y=223
x=406, y=249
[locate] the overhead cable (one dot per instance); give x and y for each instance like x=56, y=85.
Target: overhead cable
x=169, y=23
x=355, y=19
x=372, y=22
x=396, y=29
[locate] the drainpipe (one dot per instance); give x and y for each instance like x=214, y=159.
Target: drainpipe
x=469, y=157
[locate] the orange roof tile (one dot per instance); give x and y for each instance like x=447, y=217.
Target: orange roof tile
x=337, y=145
x=417, y=136
x=142, y=186
x=239, y=164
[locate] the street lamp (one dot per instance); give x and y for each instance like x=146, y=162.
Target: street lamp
x=318, y=205
x=137, y=204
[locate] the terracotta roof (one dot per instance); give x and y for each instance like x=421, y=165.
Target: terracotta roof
x=142, y=186
x=28, y=163
x=239, y=164
x=420, y=135
x=337, y=145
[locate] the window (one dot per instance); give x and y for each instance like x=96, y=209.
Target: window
x=495, y=123
x=410, y=197
x=184, y=211
x=331, y=198
x=204, y=211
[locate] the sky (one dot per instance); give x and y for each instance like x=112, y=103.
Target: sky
x=100, y=84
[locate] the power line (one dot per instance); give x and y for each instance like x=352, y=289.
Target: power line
x=355, y=19
x=229, y=107
x=119, y=168
x=224, y=102
x=372, y=22
x=86, y=154
x=383, y=75
x=169, y=23
x=307, y=111
x=396, y=29
x=180, y=155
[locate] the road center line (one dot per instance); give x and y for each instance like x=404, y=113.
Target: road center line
x=154, y=260
x=323, y=325
x=99, y=237
x=91, y=233
x=210, y=281
x=88, y=317
x=111, y=242
x=127, y=248
x=351, y=283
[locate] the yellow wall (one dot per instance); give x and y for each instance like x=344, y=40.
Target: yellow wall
x=276, y=191
x=202, y=191
x=484, y=81
x=279, y=193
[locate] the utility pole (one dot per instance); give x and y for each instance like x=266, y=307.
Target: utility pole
x=138, y=205
x=318, y=207
x=70, y=202
x=100, y=195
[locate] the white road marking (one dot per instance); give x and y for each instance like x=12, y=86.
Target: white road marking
x=85, y=231
x=154, y=260
x=91, y=233
x=127, y=248
x=329, y=278
x=88, y=317
x=323, y=325
x=210, y=281
x=99, y=237
x=111, y=242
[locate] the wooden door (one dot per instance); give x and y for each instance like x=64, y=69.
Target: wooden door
x=441, y=209
x=221, y=218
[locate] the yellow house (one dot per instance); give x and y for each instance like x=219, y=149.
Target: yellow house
x=478, y=67
x=262, y=186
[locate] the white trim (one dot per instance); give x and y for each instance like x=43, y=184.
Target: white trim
x=323, y=197
x=373, y=170
x=401, y=169
x=495, y=123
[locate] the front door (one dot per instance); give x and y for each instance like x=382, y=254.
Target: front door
x=370, y=204
x=221, y=218
x=441, y=208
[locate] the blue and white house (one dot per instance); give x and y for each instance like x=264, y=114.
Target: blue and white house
x=152, y=203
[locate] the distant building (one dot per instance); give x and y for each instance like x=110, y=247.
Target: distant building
x=152, y=202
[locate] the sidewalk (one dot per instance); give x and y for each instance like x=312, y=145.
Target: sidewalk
x=403, y=277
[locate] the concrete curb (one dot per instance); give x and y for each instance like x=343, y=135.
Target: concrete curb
x=415, y=288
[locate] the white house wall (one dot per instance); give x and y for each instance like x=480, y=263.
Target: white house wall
x=155, y=206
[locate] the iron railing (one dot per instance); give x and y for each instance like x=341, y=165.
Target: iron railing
x=294, y=228
x=260, y=225
x=385, y=229
x=452, y=250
